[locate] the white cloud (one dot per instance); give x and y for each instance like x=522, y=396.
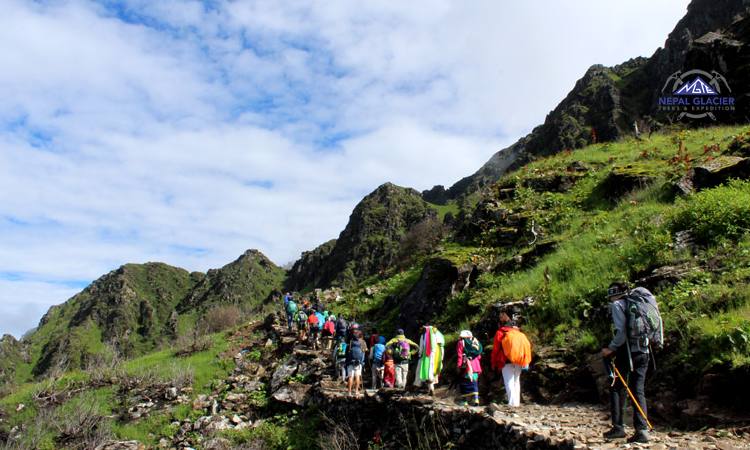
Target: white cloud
x=184, y=133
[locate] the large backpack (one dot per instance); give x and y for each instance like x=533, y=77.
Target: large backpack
x=643, y=318
x=355, y=353
x=301, y=317
x=472, y=348
x=313, y=321
x=291, y=307
x=401, y=351
x=516, y=347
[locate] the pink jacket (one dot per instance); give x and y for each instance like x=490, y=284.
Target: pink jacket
x=476, y=363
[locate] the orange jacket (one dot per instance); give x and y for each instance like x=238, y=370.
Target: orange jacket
x=498, y=357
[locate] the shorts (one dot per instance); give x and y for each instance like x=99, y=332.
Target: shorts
x=354, y=371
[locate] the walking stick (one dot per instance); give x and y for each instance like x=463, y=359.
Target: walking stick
x=632, y=397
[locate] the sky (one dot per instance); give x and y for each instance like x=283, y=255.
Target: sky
x=189, y=131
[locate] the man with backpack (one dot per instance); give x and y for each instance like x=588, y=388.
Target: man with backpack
x=638, y=325
x=469, y=351
x=339, y=356
x=329, y=329
x=291, y=309
x=403, y=349
x=301, y=319
x=355, y=361
x=341, y=326
x=377, y=352
x=511, y=354
x=313, y=322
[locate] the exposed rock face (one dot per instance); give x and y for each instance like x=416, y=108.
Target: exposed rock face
x=368, y=244
x=605, y=102
x=307, y=268
x=439, y=280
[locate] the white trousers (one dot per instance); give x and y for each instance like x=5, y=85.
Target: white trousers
x=512, y=379
x=402, y=372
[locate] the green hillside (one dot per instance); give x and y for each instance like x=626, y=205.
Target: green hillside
x=606, y=212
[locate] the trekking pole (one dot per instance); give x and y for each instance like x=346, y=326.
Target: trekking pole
x=632, y=397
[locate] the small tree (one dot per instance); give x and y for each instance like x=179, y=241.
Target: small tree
x=421, y=240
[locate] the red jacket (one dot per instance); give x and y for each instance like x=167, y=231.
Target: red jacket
x=329, y=327
x=498, y=358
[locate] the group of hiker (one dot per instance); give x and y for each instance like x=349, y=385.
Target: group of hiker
x=636, y=321
x=390, y=360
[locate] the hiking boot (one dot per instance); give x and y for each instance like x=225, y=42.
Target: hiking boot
x=640, y=436
x=615, y=433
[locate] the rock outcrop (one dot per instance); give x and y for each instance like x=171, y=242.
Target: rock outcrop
x=606, y=102
x=369, y=243
x=247, y=281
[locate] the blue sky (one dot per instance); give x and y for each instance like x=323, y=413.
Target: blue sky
x=188, y=132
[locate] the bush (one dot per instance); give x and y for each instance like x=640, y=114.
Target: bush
x=421, y=240
x=222, y=318
x=193, y=341
x=722, y=212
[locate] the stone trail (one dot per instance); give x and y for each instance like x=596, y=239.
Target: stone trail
x=299, y=377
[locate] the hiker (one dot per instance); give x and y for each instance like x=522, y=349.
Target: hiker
x=313, y=323
x=291, y=309
x=511, y=354
x=389, y=368
x=377, y=352
x=353, y=326
x=469, y=351
x=329, y=329
x=341, y=327
x=355, y=360
x=403, y=349
x=431, y=354
x=339, y=358
x=637, y=323
x=300, y=317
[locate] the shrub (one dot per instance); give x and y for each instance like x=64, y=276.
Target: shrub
x=421, y=239
x=722, y=212
x=222, y=318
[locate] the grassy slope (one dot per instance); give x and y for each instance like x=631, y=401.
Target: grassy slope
x=204, y=367
x=707, y=314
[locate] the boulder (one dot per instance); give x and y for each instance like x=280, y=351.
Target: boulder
x=719, y=170
x=623, y=180
x=293, y=394
x=218, y=444
x=283, y=373
x=439, y=280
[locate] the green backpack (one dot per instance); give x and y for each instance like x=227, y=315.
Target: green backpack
x=472, y=348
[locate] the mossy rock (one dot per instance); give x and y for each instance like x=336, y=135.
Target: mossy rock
x=720, y=170
x=620, y=181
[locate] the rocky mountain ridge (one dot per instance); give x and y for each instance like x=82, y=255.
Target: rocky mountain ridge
x=368, y=244
x=138, y=307
x=606, y=102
